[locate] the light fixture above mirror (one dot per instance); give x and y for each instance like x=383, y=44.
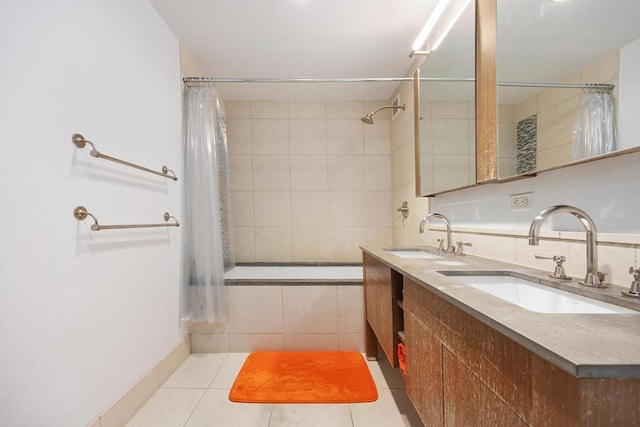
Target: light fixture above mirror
x=438, y=25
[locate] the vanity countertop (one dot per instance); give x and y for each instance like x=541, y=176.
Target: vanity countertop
x=584, y=345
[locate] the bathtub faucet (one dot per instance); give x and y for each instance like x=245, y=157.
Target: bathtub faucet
x=593, y=278
x=450, y=247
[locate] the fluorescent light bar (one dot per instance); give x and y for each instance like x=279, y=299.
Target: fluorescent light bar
x=428, y=26
x=440, y=22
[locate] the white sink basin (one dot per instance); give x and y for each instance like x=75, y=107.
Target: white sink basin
x=412, y=253
x=536, y=297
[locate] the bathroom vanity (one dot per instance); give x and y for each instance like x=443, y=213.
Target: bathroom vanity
x=474, y=359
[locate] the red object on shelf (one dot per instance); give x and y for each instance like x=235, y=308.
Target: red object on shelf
x=402, y=359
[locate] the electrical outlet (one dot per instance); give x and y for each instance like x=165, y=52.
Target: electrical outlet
x=521, y=201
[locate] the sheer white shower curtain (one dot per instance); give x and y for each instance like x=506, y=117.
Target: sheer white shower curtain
x=207, y=245
x=594, y=126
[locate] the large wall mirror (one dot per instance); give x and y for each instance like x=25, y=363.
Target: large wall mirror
x=445, y=119
x=555, y=47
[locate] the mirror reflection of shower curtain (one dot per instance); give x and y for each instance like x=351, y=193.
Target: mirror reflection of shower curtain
x=207, y=242
x=594, y=126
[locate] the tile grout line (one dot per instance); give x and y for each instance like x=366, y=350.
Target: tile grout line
x=195, y=408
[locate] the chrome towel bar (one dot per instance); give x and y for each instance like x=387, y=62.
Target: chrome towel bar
x=80, y=213
x=80, y=142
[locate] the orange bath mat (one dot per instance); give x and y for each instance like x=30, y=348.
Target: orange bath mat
x=304, y=377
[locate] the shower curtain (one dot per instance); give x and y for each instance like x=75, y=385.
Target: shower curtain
x=594, y=126
x=207, y=250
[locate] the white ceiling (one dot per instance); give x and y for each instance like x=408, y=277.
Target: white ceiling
x=538, y=41
x=299, y=39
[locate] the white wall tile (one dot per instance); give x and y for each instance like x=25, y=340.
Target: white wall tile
x=351, y=310
x=269, y=109
x=308, y=136
x=352, y=342
x=345, y=109
x=242, y=208
x=244, y=244
x=239, y=136
x=309, y=173
x=256, y=342
x=312, y=243
x=237, y=109
x=378, y=209
x=345, y=243
x=241, y=171
x=310, y=208
x=345, y=136
x=270, y=136
x=307, y=110
x=210, y=343
x=377, y=173
x=310, y=309
x=271, y=172
x=346, y=173
x=273, y=244
x=379, y=236
x=311, y=342
x=272, y=208
x=347, y=209
x=255, y=310
x=377, y=139
x=449, y=109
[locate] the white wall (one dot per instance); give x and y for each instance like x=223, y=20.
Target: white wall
x=84, y=314
x=629, y=94
x=605, y=189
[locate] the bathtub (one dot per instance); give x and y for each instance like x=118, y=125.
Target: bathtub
x=259, y=274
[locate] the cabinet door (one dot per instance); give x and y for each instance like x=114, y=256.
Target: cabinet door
x=379, y=305
x=424, y=370
x=469, y=402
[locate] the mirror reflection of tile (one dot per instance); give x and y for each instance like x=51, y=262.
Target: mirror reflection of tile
x=526, y=140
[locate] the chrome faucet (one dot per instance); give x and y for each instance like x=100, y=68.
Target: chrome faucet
x=593, y=277
x=450, y=247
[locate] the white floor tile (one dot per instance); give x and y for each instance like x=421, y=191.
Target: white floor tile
x=384, y=375
x=392, y=408
x=311, y=415
x=183, y=401
x=229, y=371
x=216, y=410
x=197, y=371
x=167, y=407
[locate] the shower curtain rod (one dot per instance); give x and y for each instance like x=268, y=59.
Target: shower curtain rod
x=388, y=79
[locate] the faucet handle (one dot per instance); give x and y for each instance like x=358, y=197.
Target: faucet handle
x=459, y=249
x=440, y=245
x=634, y=290
x=558, y=272
x=556, y=258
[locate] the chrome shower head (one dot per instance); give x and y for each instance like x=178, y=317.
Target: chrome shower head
x=368, y=119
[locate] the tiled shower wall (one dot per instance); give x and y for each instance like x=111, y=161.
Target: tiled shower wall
x=309, y=181
x=403, y=175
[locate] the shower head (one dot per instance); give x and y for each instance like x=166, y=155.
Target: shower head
x=368, y=119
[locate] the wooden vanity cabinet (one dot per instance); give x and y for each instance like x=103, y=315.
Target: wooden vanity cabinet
x=462, y=372
x=381, y=288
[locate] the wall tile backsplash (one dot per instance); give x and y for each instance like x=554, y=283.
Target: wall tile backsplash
x=310, y=181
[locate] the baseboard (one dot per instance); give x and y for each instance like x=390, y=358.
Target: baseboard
x=126, y=406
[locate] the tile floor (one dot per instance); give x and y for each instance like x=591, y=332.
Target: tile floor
x=196, y=395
